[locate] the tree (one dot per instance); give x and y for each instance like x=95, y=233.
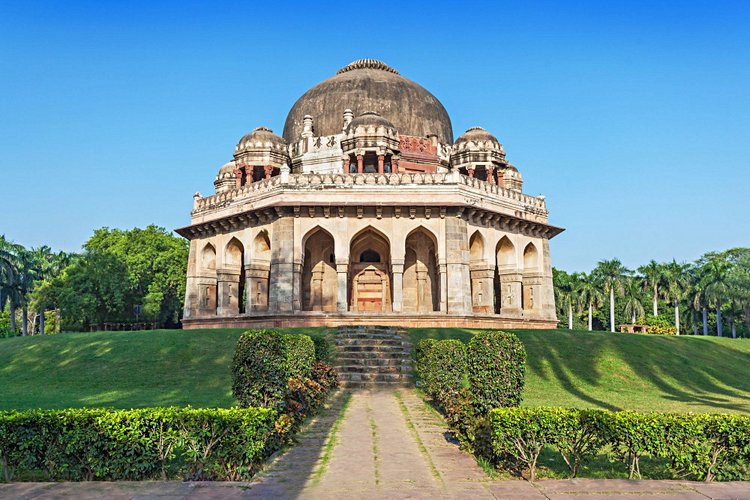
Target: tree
x=653, y=277
x=633, y=307
x=9, y=287
x=676, y=276
x=611, y=274
x=715, y=282
x=589, y=295
x=566, y=294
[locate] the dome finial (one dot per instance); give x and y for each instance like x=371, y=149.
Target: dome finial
x=367, y=64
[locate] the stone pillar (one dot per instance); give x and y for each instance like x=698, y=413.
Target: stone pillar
x=360, y=163
x=491, y=175
x=500, y=179
x=394, y=165
x=268, y=170
x=297, y=286
x=457, y=258
x=381, y=160
x=229, y=298
x=470, y=171
x=347, y=163
x=342, y=267
x=281, y=290
x=238, y=177
x=482, y=284
x=443, y=286
x=510, y=293
x=397, y=269
x=257, y=273
x=533, y=299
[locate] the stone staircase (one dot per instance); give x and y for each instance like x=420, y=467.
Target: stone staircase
x=373, y=357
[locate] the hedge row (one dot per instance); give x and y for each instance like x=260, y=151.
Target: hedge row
x=694, y=446
x=154, y=443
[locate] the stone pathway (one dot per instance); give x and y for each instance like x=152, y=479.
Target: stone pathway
x=378, y=444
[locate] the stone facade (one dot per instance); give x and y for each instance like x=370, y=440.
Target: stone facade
x=367, y=226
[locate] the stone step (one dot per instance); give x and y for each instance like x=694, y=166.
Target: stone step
x=373, y=386
x=373, y=348
x=374, y=361
x=373, y=341
x=375, y=377
x=364, y=336
x=372, y=355
x=372, y=369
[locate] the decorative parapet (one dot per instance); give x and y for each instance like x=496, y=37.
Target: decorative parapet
x=318, y=181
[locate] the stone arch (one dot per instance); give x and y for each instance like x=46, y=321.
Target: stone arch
x=482, y=276
x=506, y=278
x=370, y=280
x=259, y=272
x=421, y=281
x=208, y=258
x=319, y=278
x=232, y=279
x=530, y=258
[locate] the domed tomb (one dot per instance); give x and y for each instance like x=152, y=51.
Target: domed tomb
x=370, y=85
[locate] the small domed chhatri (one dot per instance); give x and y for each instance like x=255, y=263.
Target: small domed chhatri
x=367, y=212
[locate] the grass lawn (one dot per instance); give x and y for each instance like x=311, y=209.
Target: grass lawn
x=175, y=367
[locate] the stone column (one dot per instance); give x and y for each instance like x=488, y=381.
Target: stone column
x=510, y=293
x=342, y=268
x=228, y=281
x=443, y=286
x=238, y=177
x=491, y=175
x=268, y=170
x=360, y=163
x=482, y=278
x=297, y=286
x=470, y=171
x=457, y=258
x=381, y=160
x=248, y=289
x=281, y=292
x=532, y=298
x=347, y=162
x=394, y=165
x=397, y=269
x=257, y=273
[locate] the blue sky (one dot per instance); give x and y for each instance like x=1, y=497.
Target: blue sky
x=633, y=118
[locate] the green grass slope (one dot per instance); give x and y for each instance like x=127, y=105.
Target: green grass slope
x=174, y=367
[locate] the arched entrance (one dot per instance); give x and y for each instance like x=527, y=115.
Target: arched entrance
x=530, y=278
x=319, y=278
x=421, y=275
x=232, y=279
x=259, y=273
x=507, y=278
x=207, y=294
x=370, y=272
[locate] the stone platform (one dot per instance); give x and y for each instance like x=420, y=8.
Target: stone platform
x=302, y=319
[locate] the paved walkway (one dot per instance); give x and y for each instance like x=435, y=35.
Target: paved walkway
x=378, y=445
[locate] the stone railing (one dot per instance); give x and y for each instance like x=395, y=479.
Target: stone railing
x=334, y=180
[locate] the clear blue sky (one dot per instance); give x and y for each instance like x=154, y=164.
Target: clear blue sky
x=633, y=118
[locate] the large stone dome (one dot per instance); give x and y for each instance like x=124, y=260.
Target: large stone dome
x=370, y=85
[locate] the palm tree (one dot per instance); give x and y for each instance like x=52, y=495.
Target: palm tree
x=611, y=274
x=589, y=295
x=653, y=277
x=9, y=284
x=676, y=276
x=632, y=295
x=716, y=284
x=565, y=293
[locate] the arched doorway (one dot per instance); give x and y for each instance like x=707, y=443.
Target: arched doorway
x=482, y=277
x=319, y=278
x=421, y=275
x=370, y=272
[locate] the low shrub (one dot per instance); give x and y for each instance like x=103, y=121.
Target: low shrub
x=658, y=325
x=441, y=367
x=496, y=363
x=153, y=443
x=263, y=363
x=702, y=447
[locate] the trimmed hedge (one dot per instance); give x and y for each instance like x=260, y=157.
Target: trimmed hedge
x=263, y=363
x=496, y=363
x=325, y=349
x=154, y=443
x=694, y=446
x=441, y=366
